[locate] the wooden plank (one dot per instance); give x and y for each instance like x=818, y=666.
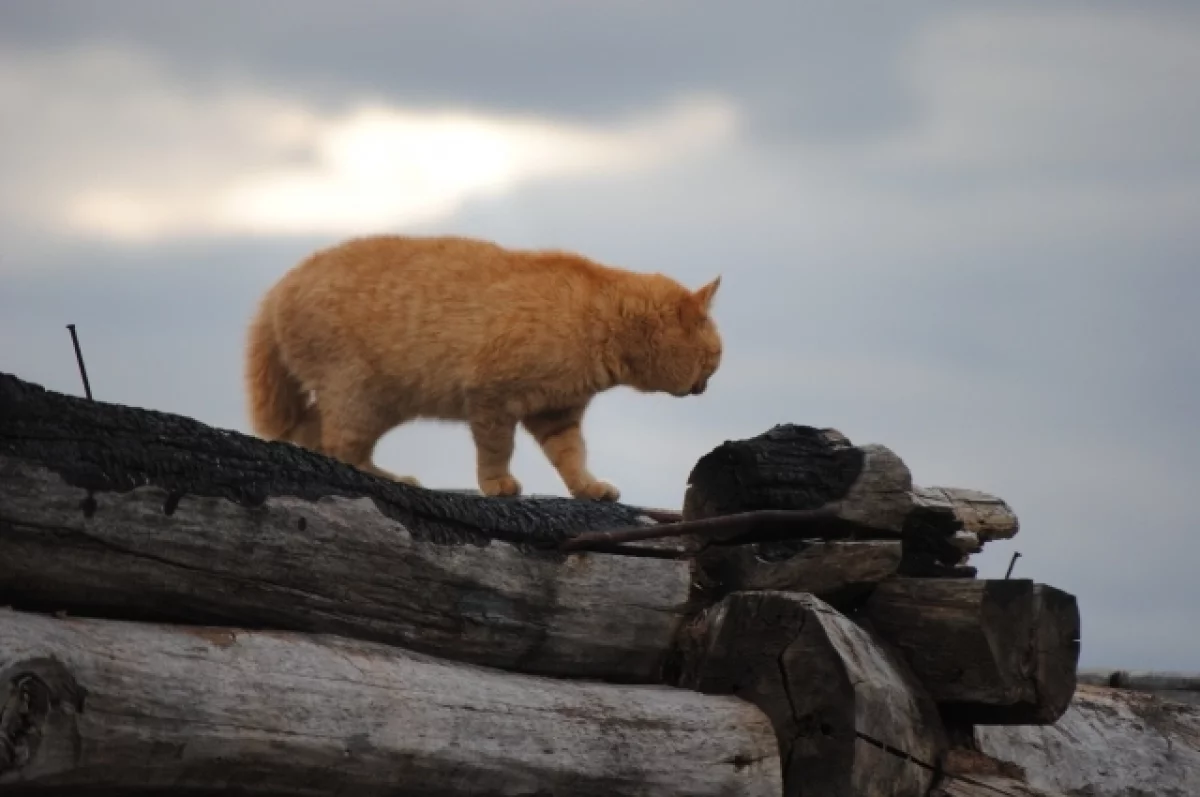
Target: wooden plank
x=96, y=707
x=337, y=565
x=990, y=652
x=850, y=718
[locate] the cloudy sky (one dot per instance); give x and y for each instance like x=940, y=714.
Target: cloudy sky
x=965, y=230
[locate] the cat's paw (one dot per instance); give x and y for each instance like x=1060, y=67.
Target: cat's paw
x=500, y=486
x=597, y=491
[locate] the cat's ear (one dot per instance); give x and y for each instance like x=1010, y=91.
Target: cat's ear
x=705, y=294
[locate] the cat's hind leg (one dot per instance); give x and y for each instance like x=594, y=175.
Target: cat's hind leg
x=560, y=435
x=307, y=432
x=350, y=428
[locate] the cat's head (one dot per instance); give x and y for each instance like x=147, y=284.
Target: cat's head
x=675, y=347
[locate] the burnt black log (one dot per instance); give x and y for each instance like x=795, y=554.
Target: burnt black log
x=792, y=467
x=107, y=510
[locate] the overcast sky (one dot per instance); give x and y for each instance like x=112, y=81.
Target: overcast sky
x=965, y=230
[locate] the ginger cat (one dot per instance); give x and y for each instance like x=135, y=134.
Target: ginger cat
x=387, y=329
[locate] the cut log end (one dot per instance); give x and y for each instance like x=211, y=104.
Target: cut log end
x=849, y=717
x=990, y=652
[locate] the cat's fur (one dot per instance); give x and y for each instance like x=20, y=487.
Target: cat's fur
x=386, y=329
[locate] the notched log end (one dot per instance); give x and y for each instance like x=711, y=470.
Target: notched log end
x=39, y=700
x=790, y=466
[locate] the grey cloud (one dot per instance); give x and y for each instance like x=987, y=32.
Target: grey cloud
x=1020, y=325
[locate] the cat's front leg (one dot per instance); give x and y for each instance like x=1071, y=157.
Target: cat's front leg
x=560, y=435
x=494, y=435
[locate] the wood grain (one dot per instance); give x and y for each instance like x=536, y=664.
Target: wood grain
x=850, y=718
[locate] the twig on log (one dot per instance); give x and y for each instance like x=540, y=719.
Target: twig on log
x=742, y=527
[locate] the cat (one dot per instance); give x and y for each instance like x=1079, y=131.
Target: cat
x=375, y=331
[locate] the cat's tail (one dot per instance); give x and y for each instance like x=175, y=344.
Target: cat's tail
x=275, y=396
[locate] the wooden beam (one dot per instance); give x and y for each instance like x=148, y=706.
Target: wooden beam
x=990, y=652
x=97, y=707
x=849, y=717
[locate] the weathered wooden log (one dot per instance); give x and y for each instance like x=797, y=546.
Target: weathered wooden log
x=792, y=467
x=1142, y=680
x=112, y=707
x=990, y=652
x=837, y=572
x=1109, y=743
x=336, y=565
x=850, y=718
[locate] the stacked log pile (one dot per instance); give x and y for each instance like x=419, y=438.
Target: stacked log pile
x=192, y=610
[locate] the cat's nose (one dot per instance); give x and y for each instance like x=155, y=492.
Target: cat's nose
x=700, y=386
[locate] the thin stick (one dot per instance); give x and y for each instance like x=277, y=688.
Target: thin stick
x=1011, y=562
x=662, y=515
x=87, y=388
x=723, y=528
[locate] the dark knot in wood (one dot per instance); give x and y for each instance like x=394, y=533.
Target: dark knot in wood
x=32, y=692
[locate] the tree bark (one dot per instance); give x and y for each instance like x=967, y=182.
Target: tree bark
x=337, y=565
x=850, y=718
x=795, y=467
x=990, y=652
x=102, y=707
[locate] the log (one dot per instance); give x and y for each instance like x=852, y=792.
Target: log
x=101, y=707
x=990, y=652
x=104, y=447
x=338, y=565
x=849, y=716
x=1109, y=743
x=793, y=467
x=837, y=572
x=1143, y=680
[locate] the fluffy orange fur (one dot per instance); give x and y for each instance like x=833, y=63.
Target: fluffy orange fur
x=376, y=331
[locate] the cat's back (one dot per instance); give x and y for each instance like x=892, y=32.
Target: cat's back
x=449, y=295
x=412, y=263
